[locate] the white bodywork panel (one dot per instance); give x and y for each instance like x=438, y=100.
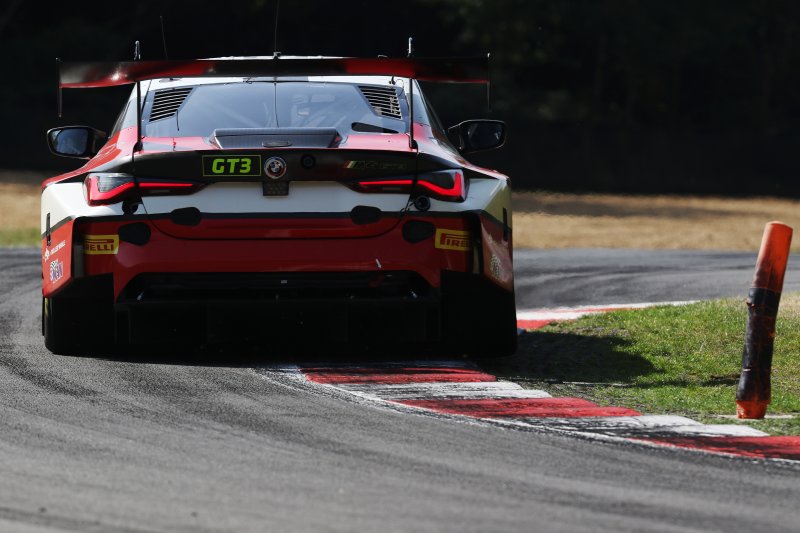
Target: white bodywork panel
x=304, y=197
x=65, y=200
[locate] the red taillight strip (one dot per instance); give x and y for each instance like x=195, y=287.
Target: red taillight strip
x=151, y=185
x=457, y=191
x=124, y=187
x=453, y=194
x=386, y=183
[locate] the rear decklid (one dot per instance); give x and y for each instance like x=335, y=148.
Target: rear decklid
x=279, y=193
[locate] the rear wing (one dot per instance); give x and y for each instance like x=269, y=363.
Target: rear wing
x=82, y=75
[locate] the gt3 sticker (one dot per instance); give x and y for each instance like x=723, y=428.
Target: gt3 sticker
x=453, y=239
x=100, y=244
x=229, y=166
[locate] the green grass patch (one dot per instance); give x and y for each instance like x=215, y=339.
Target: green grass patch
x=678, y=360
x=20, y=237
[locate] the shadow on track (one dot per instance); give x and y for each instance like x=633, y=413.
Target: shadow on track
x=560, y=357
x=241, y=356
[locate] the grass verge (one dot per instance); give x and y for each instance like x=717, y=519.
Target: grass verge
x=19, y=213
x=666, y=360
x=20, y=237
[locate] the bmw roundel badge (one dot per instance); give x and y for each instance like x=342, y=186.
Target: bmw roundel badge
x=275, y=167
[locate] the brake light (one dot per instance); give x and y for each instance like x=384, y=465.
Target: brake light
x=104, y=188
x=447, y=185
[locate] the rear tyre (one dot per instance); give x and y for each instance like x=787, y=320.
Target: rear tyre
x=480, y=319
x=56, y=322
x=71, y=326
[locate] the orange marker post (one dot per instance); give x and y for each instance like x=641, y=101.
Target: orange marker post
x=755, y=392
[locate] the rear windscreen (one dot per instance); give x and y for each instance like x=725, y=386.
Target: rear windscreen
x=350, y=109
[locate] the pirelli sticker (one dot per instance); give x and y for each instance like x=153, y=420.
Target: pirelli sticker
x=453, y=239
x=100, y=244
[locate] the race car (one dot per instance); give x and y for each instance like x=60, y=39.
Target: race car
x=249, y=200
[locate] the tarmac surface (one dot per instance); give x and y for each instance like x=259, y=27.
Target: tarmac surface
x=173, y=442
x=575, y=277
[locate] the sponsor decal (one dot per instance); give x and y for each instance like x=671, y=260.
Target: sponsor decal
x=495, y=267
x=52, y=251
x=453, y=239
x=100, y=244
x=275, y=167
x=56, y=270
x=374, y=165
x=232, y=165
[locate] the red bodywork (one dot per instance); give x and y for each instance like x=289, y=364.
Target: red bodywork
x=276, y=244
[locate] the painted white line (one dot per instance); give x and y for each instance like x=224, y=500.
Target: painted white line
x=377, y=365
x=284, y=369
x=715, y=430
x=571, y=313
x=551, y=315
x=610, y=423
x=642, y=426
x=417, y=391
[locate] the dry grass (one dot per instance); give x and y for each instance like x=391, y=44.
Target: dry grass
x=550, y=220
x=19, y=206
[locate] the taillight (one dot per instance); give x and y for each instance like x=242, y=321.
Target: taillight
x=447, y=185
x=104, y=188
x=107, y=188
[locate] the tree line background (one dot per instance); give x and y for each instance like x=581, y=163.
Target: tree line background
x=618, y=95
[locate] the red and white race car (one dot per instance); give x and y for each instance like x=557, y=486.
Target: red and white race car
x=244, y=200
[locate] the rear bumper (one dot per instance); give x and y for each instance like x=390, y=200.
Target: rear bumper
x=392, y=251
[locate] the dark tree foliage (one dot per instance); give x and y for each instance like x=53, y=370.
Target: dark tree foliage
x=629, y=95
x=616, y=95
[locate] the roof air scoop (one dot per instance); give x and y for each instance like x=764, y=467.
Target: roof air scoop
x=245, y=138
x=383, y=100
x=167, y=102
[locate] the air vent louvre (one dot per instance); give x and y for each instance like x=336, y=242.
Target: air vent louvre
x=167, y=102
x=384, y=100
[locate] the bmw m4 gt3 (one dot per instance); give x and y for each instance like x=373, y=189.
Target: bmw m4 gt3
x=248, y=200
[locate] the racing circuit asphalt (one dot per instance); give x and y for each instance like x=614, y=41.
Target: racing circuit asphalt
x=181, y=442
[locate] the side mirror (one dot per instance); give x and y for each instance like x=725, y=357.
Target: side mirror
x=477, y=135
x=81, y=142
